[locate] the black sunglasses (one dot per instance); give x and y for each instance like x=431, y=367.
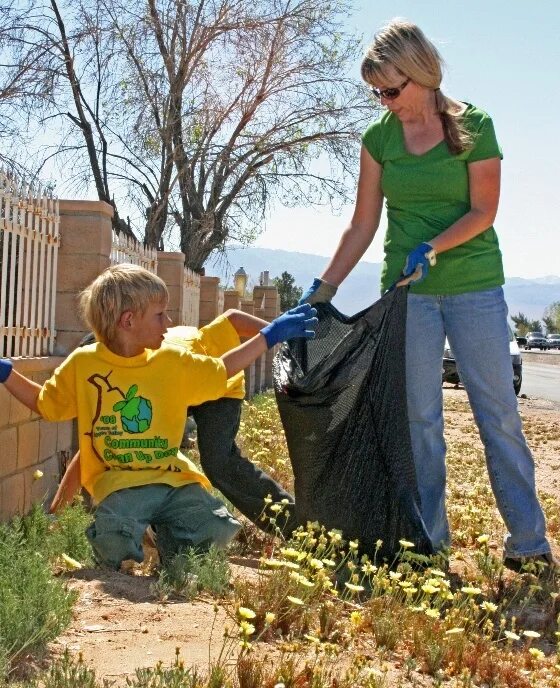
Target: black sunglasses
x=389, y=93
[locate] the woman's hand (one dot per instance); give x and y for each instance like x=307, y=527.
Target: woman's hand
x=419, y=260
x=319, y=292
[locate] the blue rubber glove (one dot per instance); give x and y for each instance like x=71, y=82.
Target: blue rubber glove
x=423, y=256
x=319, y=292
x=297, y=322
x=5, y=369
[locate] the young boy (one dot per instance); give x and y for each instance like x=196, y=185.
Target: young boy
x=217, y=421
x=130, y=395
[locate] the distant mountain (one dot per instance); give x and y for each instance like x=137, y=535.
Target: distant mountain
x=361, y=287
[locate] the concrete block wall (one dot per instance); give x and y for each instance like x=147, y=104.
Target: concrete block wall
x=28, y=443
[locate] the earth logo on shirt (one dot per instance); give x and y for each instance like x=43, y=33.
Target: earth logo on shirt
x=136, y=412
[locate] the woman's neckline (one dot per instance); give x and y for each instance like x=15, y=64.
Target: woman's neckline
x=466, y=106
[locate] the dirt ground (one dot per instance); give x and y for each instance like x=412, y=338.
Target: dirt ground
x=119, y=623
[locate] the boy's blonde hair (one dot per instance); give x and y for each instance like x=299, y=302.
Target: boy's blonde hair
x=117, y=289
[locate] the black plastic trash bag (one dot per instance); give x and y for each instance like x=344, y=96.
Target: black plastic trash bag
x=342, y=401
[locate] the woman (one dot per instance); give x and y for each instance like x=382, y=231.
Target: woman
x=437, y=163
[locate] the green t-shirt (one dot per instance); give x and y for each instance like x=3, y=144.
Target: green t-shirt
x=425, y=195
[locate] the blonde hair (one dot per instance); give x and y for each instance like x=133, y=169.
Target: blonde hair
x=117, y=289
x=404, y=47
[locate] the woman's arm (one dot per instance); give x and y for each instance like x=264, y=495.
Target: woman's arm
x=363, y=225
x=484, y=184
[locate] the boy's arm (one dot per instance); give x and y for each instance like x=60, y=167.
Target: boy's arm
x=243, y=355
x=20, y=387
x=297, y=322
x=245, y=324
x=69, y=485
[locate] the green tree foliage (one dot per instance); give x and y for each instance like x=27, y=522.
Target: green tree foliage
x=289, y=292
x=193, y=116
x=535, y=326
x=551, y=317
x=522, y=324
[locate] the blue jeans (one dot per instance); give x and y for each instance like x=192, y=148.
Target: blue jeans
x=181, y=517
x=237, y=478
x=476, y=327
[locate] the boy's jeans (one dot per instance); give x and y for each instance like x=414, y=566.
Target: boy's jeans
x=237, y=478
x=182, y=517
x=475, y=324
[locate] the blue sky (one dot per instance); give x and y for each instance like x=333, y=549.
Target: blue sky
x=505, y=58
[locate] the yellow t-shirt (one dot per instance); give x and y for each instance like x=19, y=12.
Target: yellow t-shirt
x=131, y=412
x=213, y=339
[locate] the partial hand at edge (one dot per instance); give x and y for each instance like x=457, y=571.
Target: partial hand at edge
x=6, y=367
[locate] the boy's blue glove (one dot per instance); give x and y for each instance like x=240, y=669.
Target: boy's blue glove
x=423, y=256
x=297, y=322
x=319, y=292
x=5, y=369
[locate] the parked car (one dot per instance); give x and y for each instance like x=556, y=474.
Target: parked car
x=553, y=341
x=521, y=341
x=450, y=374
x=536, y=340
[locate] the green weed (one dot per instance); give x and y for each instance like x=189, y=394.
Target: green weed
x=34, y=606
x=191, y=572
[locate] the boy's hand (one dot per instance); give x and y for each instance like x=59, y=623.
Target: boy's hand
x=319, y=292
x=297, y=322
x=5, y=369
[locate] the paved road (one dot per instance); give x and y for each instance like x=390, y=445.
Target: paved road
x=541, y=380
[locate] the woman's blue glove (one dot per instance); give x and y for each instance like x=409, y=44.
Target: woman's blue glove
x=423, y=256
x=297, y=322
x=5, y=369
x=319, y=292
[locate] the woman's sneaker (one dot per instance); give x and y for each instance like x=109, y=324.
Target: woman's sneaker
x=540, y=564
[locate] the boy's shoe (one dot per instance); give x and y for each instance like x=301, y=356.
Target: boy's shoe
x=546, y=564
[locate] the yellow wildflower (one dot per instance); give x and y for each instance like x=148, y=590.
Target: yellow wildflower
x=406, y=544
x=246, y=613
x=295, y=600
x=246, y=628
x=470, y=590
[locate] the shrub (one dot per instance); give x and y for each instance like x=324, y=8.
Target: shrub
x=34, y=606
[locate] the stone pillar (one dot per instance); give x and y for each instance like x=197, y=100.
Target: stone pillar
x=232, y=300
x=267, y=306
x=171, y=269
x=211, y=299
x=84, y=252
